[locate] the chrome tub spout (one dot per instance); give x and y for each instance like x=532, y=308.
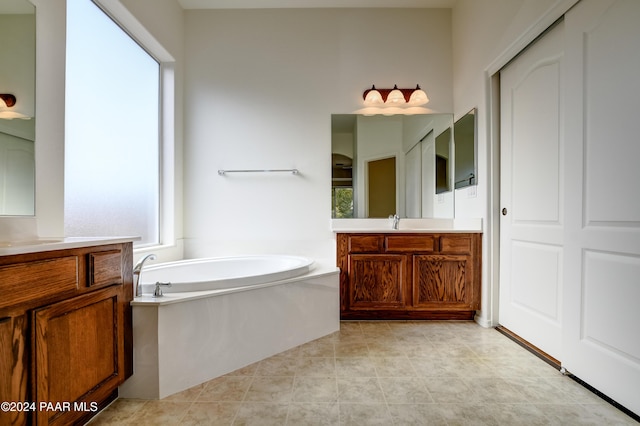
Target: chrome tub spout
x=137, y=270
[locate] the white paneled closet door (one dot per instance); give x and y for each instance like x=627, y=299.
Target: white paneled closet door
x=601, y=335
x=531, y=193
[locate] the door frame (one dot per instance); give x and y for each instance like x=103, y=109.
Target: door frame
x=490, y=301
x=364, y=164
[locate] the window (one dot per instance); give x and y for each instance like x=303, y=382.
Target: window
x=342, y=200
x=112, y=137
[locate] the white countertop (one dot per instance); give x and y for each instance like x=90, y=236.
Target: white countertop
x=48, y=244
x=407, y=225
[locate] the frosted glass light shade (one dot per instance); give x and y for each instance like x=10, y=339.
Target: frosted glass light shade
x=10, y=115
x=373, y=97
x=395, y=97
x=418, y=97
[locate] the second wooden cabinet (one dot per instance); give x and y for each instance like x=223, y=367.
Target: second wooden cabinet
x=65, y=332
x=409, y=275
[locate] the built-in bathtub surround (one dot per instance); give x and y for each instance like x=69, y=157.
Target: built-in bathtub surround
x=183, y=339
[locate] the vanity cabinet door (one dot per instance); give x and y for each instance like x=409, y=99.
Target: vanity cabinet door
x=443, y=282
x=13, y=367
x=78, y=355
x=377, y=281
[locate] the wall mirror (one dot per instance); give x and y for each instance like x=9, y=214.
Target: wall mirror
x=385, y=165
x=465, y=150
x=17, y=135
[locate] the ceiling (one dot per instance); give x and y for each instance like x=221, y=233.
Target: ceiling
x=274, y=4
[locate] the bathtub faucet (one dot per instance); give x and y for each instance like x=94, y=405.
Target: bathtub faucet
x=158, y=291
x=137, y=270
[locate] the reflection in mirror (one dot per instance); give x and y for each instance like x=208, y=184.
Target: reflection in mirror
x=443, y=150
x=404, y=147
x=465, y=157
x=17, y=136
x=342, y=185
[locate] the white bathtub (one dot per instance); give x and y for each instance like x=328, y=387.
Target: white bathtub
x=223, y=272
x=193, y=334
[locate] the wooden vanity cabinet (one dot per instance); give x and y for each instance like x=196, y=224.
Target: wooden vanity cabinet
x=65, y=332
x=409, y=275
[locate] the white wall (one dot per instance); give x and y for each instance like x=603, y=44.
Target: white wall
x=260, y=89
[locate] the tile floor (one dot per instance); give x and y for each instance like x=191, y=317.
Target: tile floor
x=384, y=373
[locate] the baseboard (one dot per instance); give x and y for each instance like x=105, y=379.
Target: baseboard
x=482, y=321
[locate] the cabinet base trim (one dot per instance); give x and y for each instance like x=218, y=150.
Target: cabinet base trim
x=408, y=315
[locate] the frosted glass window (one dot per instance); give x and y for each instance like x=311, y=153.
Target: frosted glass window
x=112, y=153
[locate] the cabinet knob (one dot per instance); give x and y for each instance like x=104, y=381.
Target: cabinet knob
x=504, y=211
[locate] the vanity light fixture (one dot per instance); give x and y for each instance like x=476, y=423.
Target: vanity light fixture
x=395, y=97
x=7, y=100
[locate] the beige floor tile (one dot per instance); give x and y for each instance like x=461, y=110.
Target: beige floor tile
x=313, y=414
x=190, y=394
x=226, y=388
x=119, y=412
x=449, y=390
x=370, y=372
x=321, y=367
x=354, y=414
x=394, y=367
x=210, y=413
x=355, y=367
x=261, y=414
x=318, y=349
x=278, y=366
x=160, y=413
x=270, y=389
x=315, y=389
x=360, y=390
x=417, y=415
x=352, y=349
x=405, y=390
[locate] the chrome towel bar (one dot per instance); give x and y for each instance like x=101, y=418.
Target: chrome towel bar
x=292, y=171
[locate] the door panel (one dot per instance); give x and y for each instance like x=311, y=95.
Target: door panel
x=603, y=243
x=382, y=187
x=531, y=230
x=537, y=289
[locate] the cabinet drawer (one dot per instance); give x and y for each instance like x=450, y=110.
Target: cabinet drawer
x=365, y=243
x=105, y=268
x=401, y=243
x=25, y=282
x=455, y=244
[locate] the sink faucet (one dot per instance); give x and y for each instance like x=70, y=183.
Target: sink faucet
x=396, y=221
x=137, y=270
